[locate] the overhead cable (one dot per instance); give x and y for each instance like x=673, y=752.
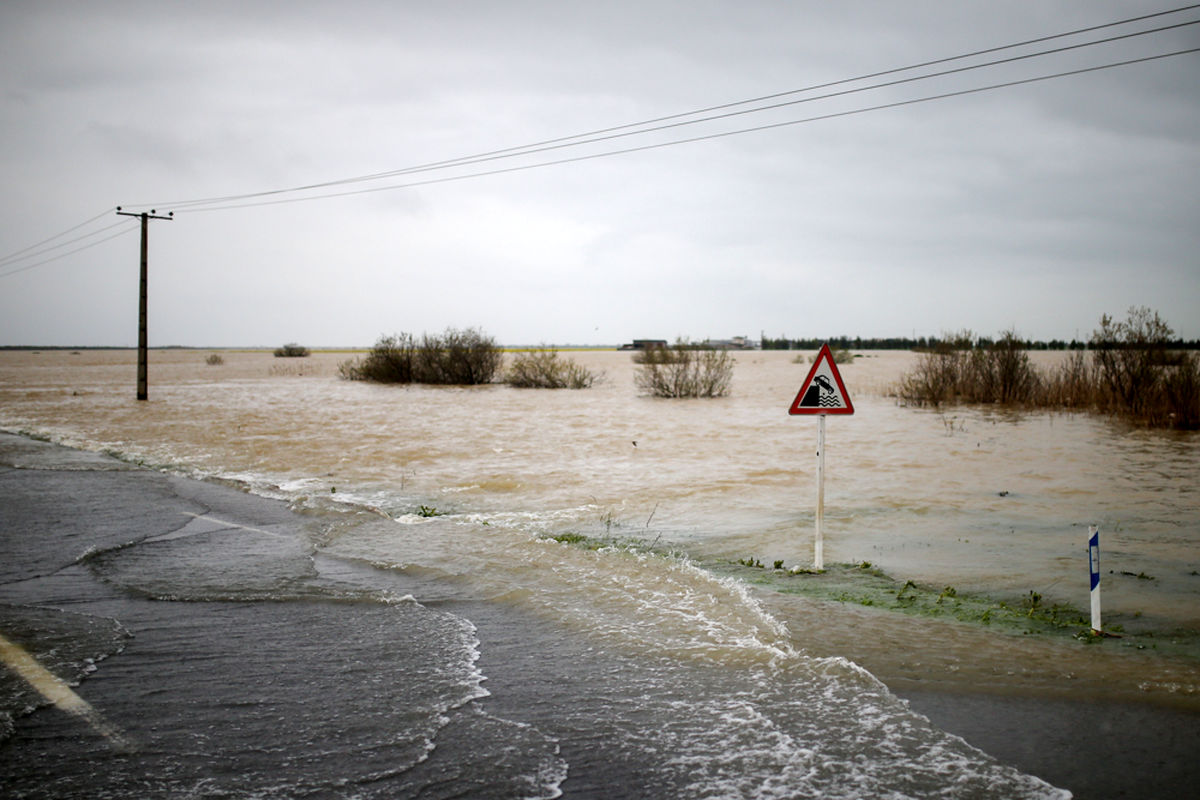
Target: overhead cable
x=705, y=137
x=130, y=228
x=637, y=128
x=36, y=253
x=657, y=124
x=25, y=251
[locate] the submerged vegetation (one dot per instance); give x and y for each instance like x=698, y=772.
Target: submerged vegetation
x=866, y=585
x=926, y=343
x=840, y=356
x=456, y=357
x=1129, y=371
x=463, y=358
x=292, y=350
x=543, y=369
x=684, y=370
x=957, y=370
x=631, y=544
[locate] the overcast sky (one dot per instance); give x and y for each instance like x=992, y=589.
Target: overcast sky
x=1036, y=207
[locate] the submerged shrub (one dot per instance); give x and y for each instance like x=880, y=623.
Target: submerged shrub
x=465, y=357
x=999, y=373
x=456, y=357
x=1071, y=384
x=542, y=369
x=1132, y=374
x=1137, y=375
x=684, y=370
x=1181, y=388
x=1129, y=357
x=958, y=369
x=840, y=355
x=391, y=360
x=935, y=378
x=291, y=350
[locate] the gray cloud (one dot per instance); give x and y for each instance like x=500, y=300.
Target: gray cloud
x=1038, y=206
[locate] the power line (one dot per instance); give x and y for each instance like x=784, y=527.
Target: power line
x=14, y=255
x=128, y=229
x=705, y=137
x=532, y=150
x=637, y=128
x=647, y=126
x=30, y=253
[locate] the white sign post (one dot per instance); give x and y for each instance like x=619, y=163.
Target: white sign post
x=1094, y=569
x=819, y=544
x=822, y=393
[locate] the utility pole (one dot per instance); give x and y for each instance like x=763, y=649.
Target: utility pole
x=142, y=390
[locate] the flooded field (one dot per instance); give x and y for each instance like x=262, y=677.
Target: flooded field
x=479, y=482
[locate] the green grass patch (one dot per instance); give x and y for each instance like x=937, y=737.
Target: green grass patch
x=1030, y=614
x=865, y=584
x=585, y=542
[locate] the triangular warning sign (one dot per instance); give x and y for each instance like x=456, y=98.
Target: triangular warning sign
x=823, y=391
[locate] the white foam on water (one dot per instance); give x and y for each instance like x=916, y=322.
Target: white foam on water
x=710, y=677
x=713, y=678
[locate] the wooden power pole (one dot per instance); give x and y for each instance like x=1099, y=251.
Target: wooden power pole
x=142, y=381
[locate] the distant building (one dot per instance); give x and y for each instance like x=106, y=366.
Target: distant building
x=736, y=343
x=645, y=344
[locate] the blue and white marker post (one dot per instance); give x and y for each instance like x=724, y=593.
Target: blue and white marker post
x=1094, y=567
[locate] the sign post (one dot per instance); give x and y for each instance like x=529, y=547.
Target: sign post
x=822, y=393
x=819, y=541
x=1094, y=568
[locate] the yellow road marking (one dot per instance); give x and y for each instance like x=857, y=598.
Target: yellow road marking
x=51, y=687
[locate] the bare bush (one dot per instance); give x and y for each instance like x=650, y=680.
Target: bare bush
x=391, y=360
x=960, y=370
x=935, y=378
x=684, y=370
x=1181, y=389
x=999, y=373
x=840, y=355
x=465, y=357
x=1071, y=384
x=543, y=369
x=1133, y=374
x=1129, y=357
x=456, y=357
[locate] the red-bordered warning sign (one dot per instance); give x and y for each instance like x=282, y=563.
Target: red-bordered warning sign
x=823, y=391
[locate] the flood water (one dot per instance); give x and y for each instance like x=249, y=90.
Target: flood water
x=464, y=488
